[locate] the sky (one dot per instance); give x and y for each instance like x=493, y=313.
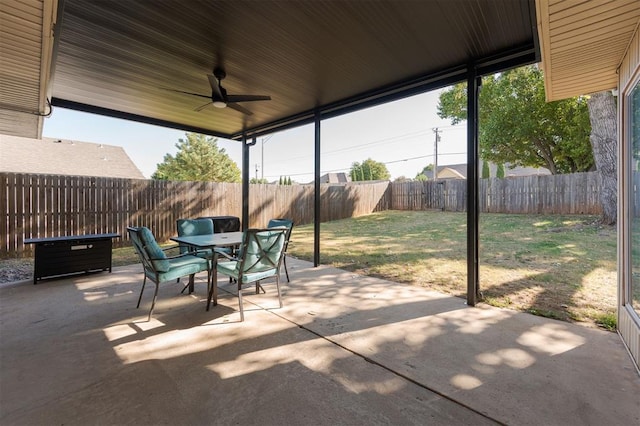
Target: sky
x=399, y=134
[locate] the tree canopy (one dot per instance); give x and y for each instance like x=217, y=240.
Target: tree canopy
x=369, y=170
x=198, y=159
x=424, y=174
x=517, y=126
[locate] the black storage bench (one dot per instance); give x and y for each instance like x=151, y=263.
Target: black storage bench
x=71, y=254
x=224, y=223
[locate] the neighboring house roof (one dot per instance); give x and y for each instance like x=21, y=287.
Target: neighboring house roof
x=459, y=171
x=65, y=157
x=335, y=178
x=452, y=171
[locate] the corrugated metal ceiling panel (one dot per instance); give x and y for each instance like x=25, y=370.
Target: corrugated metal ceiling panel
x=132, y=56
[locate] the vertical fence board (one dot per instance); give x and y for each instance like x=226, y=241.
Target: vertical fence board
x=4, y=220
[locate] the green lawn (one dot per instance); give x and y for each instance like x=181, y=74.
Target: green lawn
x=562, y=267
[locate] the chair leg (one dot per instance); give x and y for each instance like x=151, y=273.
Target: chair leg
x=286, y=271
x=213, y=289
x=188, y=285
x=153, y=302
x=278, y=288
x=144, y=282
x=259, y=287
x=191, y=283
x=240, y=301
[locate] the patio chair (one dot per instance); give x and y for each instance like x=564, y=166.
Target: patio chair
x=189, y=227
x=288, y=223
x=159, y=267
x=262, y=252
x=199, y=226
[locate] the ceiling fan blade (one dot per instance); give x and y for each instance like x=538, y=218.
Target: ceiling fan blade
x=215, y=88
x=192, y=94
x=201, y=107
x=247, y=98
x=239, y=108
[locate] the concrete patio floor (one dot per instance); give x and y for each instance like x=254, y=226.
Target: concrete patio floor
x=344, y=349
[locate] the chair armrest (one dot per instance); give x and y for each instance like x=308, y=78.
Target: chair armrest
x=170, y=248
x=228, y=256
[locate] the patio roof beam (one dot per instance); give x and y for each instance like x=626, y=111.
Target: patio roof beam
x=316, y=190
x=77, y=106
x=245, y=180
x=473, y=87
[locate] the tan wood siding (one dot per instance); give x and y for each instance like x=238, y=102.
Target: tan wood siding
x=583, y=43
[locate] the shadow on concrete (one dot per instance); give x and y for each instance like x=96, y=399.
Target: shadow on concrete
x=345, y=349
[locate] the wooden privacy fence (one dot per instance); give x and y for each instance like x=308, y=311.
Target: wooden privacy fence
x=550, y=194
x=576, y=193
x=38, y=206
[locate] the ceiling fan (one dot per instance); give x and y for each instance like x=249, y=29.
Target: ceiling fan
x=219, y=97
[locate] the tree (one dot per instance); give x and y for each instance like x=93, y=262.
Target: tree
x=369, y=170
x=420, y=177
x=604, y=142
x=486, y=173
x=500, y=171
x=426, y=171
x=198, y=159
x=517, y=125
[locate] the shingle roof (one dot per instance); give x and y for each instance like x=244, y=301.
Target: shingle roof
x=335, y=178
x=65, y=157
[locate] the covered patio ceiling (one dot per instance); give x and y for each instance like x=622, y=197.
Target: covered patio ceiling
x=128, y=59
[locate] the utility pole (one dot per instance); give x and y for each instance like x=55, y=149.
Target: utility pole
x=435, y=153
x=256, y=171
x=264, y=140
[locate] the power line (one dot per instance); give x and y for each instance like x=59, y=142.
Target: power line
x=345, y=169
x=392, y=139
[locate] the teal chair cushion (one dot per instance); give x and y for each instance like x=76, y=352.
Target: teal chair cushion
x=189, y=227
x=231, y=269
x=273, y=223
x=182, y=266
x=195, y=226
x=256, y=264
x=255, y=259
x=155, y=253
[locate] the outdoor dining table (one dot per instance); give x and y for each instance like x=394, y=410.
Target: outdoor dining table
x=211, y=241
